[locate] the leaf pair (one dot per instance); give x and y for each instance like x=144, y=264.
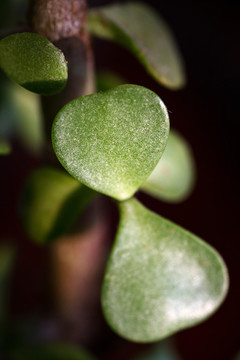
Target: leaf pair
x=160, y=278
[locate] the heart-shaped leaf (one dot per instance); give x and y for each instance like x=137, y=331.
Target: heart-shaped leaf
x=51, y=203
x=159, y=278
x=173, y=178
x=33, y=62
x=111, y=141
x=137, y=27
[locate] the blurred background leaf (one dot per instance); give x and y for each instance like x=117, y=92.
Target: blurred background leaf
x=20, y=116
x=52, y=352
x=173, y=178
x=142, y=31
x=106, y=80
x=5, y=147
x=51, y=202
x=13, y=13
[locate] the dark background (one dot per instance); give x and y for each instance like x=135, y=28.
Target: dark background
x=206, y=113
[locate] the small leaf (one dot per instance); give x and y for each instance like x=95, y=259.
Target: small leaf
x=159, y=278
x=111, y=141
x=137, y=27
x=51, y=352
x=173, y=178
x=5, y=147
x=51, y=203
x=33, y=62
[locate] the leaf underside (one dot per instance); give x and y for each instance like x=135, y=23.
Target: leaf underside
x=159, y=278
x=137, y=27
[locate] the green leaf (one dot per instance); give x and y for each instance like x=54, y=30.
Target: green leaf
x=5, y=147
x=29, y=119
x=159, y=278
x=20, y=115
x=173, y=178
x=52, y=352
x=111, y=141
x=137, y=27
x=51, y=202
x=33, y=62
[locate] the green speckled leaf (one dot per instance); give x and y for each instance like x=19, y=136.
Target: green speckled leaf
x=5, y=147
x=33, y=62
x=173, y=178
x=137, y=27
x=51, y=203
x=159, y=278
x=51, y=352
x=111, y=141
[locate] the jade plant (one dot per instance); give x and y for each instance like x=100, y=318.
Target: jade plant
x=159, y=277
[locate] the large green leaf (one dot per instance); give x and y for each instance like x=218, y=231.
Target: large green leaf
x=51, y=352
x=33, y=62
x=159, y=278
x=137, y=27
x=173, y=178
x=51, y=203
x=111, y=141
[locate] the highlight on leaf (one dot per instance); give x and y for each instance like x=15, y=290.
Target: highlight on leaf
x=137, y=27
x=33, y=62
x=160, y=278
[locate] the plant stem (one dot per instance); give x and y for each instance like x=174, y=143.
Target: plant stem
x=63, y=23
x=77, y=260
